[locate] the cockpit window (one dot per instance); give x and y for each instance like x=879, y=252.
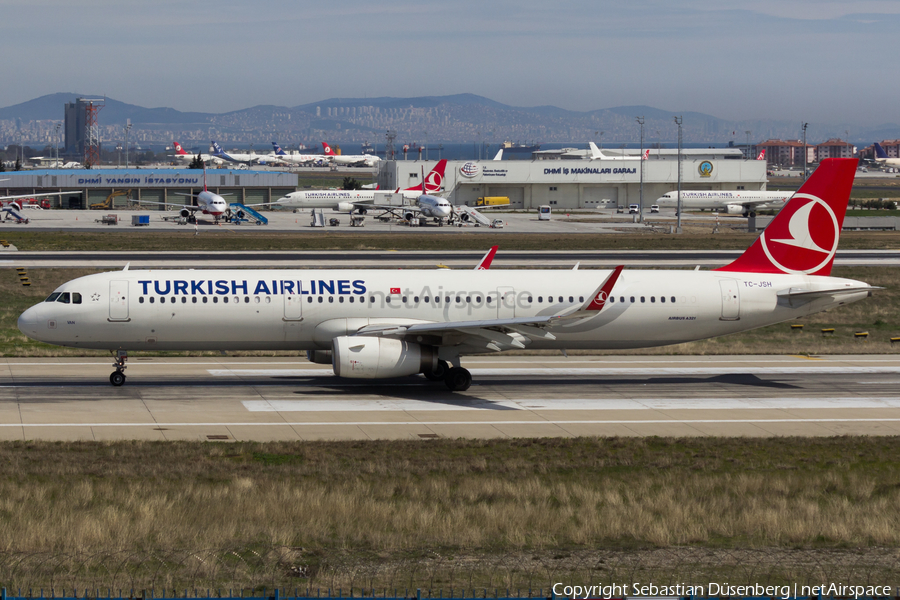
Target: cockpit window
x=65, y=298
x=52, y=297
x=76, y=298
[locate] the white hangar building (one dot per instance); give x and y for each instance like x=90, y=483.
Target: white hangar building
x=124, y=186
x=572, y=181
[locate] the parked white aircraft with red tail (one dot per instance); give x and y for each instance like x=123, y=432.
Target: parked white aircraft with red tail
x=182, y=154
x=352, y=160
x=392, y=323
x=206, y=202
x=361, y=200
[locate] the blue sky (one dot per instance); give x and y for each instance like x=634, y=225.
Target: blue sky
x=791, y=59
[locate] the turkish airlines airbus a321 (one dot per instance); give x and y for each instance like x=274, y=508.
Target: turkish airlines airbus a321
x=390, y=323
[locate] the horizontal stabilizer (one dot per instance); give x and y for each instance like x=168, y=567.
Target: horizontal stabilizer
x=797, y=296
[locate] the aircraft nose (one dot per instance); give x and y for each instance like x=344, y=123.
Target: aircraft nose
x=28, y=322
x=443, y=211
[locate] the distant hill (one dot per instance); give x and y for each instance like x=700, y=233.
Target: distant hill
x=51, y=107
x=453, y=118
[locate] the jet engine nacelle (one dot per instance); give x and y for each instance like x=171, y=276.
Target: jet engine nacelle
x=185, y=213
x=345, y=207
x=377, y=357
x=319, y=357
x=409, y=216
x=734, y=209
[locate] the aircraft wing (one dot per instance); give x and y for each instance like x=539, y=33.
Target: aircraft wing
x=499, y=334
x=494, y=334
x=169, y=205
x=756, y=202
x=44, y=194
x=191, y=195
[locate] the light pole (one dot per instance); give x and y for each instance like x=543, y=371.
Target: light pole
x=640, y=121
x=118, y=155
x=600, y=139
x=127, y=129
x=749, y=154
x=58, y=125
x=678, y=121
x=805, y=125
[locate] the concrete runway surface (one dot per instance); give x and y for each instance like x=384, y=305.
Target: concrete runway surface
x=222, y=398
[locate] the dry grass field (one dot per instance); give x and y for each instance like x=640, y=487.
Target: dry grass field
x=344, y=509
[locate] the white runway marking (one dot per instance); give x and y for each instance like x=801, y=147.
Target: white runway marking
x=383, y=404
x=392, y=423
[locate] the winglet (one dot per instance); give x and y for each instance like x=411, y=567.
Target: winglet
x=485, y=263
x=598, y=300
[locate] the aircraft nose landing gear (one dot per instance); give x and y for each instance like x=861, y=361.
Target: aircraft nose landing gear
x=117, y=377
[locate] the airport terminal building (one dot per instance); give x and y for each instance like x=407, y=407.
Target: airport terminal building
x=570, y=180
x=119, y=188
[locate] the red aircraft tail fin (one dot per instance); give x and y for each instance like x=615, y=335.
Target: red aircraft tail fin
x=803, y=236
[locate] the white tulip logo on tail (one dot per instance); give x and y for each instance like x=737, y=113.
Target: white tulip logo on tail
x=808, y=243
x=433, y=182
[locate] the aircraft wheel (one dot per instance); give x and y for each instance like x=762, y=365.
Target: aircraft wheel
x=438, y=374
x=458, y=379
x=753, y=214
x=117, y=378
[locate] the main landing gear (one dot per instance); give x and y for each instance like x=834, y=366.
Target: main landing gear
x=117, y=377
x=456, y=379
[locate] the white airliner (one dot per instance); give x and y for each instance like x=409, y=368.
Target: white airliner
x=882, y=157
x=182, y=154
x=208, y=203
x=597, y=154
x=744, y=202
x=233, y=157
x=426, y=205
x=392, y=323
x=360, y=200
x=359, y=160
x=281, y=156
